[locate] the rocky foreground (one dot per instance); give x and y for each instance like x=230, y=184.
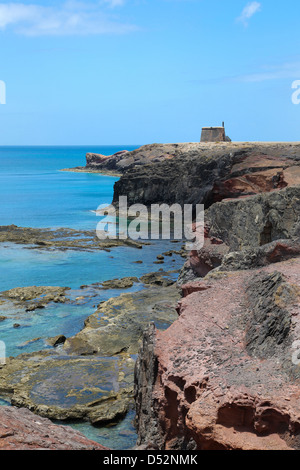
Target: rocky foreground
x=222, y=376
x=89, y=376
x=225, y=375
x=23, y=430
x=223, y=371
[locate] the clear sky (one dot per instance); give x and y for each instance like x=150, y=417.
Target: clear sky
x=144, y=71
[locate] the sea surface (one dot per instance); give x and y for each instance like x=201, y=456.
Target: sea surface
x=35, y=193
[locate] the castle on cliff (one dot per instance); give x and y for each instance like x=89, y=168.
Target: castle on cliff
x=214, y=134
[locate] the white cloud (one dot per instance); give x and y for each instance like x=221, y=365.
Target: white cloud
x=286, y=70
x=250, y=9
x=115, y=3
x=71, y=18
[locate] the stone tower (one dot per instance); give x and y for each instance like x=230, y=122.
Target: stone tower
x=213, y=134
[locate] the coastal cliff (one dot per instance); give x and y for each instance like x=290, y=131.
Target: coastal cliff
x=216, y=365
x=225, y=374
x=196, y=173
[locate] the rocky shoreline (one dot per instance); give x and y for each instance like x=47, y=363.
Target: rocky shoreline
x=236, y=385
x=207, y=360
x=60, y=239
x=88, y=377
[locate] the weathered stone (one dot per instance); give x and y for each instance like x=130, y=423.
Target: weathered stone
x=61, y=387
x=222, y=375
x=159, y=278
x=61, y=239
x=213, y=134
x=123, y=283
x=117, y=326
x=249, y=232
x=21, y=429
x=204, y=173
x=256, y=221
x=251, y=258
x=56, y=340
x=45, y=294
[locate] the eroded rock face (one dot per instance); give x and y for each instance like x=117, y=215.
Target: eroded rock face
x=124, y=160
x=248, y=232
x=20, y=429
x=222, y=375
x=270, y=253
x=257, y=220
x=201, y=173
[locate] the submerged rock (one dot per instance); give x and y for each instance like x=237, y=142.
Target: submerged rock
x=60, y=239
x=63, y=388
x=38, y=296
x=90, y=376
x=117, y=326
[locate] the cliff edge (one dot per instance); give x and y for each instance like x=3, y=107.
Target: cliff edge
x=225, y=375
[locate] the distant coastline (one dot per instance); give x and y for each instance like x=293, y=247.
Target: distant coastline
x=83, y=169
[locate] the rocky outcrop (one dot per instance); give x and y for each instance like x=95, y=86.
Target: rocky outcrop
x=124, y=161
x=60, y=239
x=195, y=173
x=117, y=325
x=256, y=221
x=35, y=297
x=98, y=161
x=247, y=232
x=20, y=429
x=222, y=376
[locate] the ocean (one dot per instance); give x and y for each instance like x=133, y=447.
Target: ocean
x=35, y=193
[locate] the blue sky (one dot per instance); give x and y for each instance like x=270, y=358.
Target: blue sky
x=144, y=71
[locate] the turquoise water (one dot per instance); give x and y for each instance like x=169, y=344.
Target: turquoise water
x=35, y=193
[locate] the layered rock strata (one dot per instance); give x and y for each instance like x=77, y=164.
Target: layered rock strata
x=194, y=173
x=222, y=376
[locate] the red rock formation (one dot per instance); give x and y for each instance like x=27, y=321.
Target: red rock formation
x=256, y=174
x=222, y=377
x=20, y=429
x=204, y=172
x=209, y=257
